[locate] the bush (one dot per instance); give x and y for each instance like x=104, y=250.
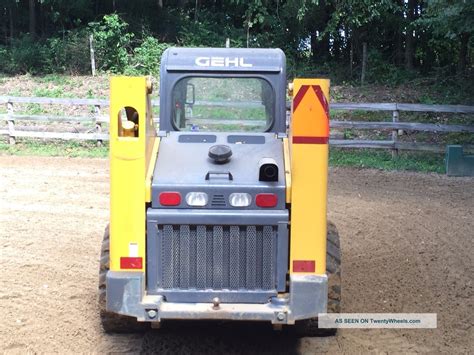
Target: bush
x=112, y=43
x=147, y=57
x=69, y=53
x=113, y=48
x=5, y=59
x=28, y=56
x=379, y=71
x=210, y=31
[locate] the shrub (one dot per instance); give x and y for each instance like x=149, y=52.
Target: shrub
x=210, y=31
x=29, y=56
x=5, y=60
x=379, y=71
x=146, y=58
x=69, y=53
x=112, y=43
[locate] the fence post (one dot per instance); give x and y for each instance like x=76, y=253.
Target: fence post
x=395, y=118
x=11, y=124
x=98, y=125
x=91, y=44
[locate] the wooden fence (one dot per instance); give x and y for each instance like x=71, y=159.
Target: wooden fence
x=96, y=119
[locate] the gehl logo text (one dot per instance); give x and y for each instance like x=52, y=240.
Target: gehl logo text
x=222, y=62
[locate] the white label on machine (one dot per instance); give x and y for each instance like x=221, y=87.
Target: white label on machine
x=133, y=250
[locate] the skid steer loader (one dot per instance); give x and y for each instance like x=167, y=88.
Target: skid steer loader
x=220, y=213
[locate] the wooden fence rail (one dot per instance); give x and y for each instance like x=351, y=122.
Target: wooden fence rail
x=96, y=119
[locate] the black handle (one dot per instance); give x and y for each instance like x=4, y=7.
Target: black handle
x=209, y=173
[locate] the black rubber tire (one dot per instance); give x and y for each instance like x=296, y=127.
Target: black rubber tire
x=112, y=322
x=309, y=327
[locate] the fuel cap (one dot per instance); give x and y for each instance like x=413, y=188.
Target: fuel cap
x=220, y=153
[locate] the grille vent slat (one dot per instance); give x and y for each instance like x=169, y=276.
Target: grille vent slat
x=218, y=201
x=217, y=257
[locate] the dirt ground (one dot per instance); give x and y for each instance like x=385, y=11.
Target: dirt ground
x=407, y=242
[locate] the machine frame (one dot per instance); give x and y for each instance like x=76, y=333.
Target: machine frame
x=134, y=149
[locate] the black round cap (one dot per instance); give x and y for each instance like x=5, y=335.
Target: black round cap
x=220, y=153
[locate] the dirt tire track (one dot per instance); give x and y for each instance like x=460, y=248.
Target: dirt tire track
x=407, y=246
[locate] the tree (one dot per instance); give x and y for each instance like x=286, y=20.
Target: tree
x=451, y=20
x=410, y=38
x=32, y=17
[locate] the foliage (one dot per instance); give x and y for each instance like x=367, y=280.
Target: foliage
x=69, y=53
x=146, y=57
x=202, y=33
x=449, y=18
x=28, y=56
x=112, y=43
x=405, y=39
x=382, y=72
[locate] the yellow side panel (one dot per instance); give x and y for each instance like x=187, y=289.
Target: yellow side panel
x=129, y=161
x=287, y=161
x=308, y=204
x=309, y=134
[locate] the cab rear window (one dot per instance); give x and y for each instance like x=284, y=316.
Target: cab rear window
x=223, y=104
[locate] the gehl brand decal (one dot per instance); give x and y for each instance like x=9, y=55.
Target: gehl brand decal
x=222, y=62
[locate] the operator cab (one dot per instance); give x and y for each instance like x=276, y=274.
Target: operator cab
x=222, y=90
x=229, y=100
x=218, y=224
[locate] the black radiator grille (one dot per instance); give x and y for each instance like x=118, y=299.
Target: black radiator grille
x=217, y=257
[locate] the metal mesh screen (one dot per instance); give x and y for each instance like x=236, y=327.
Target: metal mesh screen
x=217, y=257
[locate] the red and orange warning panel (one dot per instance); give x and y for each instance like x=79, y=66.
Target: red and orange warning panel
x=309, y=138
x=311, y=124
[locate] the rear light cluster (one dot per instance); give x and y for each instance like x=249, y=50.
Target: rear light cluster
x=170, y=198
x=197, y=199
x=201, y=199
x=239, y=199
x=266, y=200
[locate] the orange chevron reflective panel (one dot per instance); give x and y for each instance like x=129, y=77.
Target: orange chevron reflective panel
x=310, y=122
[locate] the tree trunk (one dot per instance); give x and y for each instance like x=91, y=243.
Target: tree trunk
x=320, y=44
x=399, y=34
x=462, y=60
x=4, y=25
x=41, y=19
x=314, y=45
x=364, y=63
x=351, y=58
x=12, y=26
x=160, y=4
x=410, y=40
x=32, y=17
x=196, y=11
x=399, y=49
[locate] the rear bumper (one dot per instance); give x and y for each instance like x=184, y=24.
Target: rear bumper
x=126, y=296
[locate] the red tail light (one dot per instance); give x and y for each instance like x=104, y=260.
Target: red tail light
x=266, y=200
x=304, y=265
x=170, y=198
x=131, y=262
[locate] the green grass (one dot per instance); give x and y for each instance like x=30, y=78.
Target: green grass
x=63, y=149
x=57, y=79
x=421, y=162
x=34, y=109
x=365, y=158
x=44, y=92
